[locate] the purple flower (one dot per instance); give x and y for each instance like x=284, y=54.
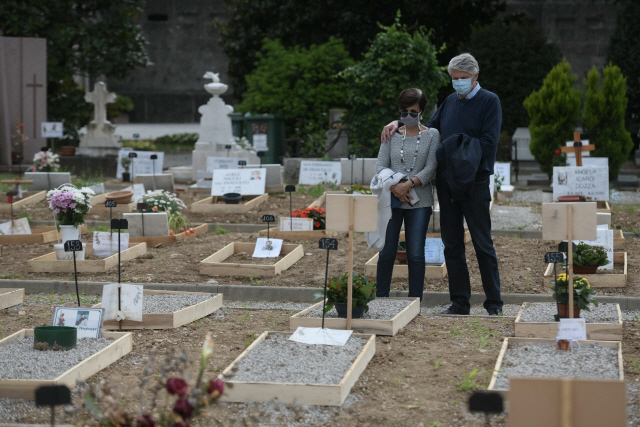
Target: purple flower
x=56, y=210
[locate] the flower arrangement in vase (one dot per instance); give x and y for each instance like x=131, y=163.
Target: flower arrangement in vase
x=318, y=215
x=587, y=258
x=364, y=291
x=582, y=295
x=69, y=206
x=46, y=161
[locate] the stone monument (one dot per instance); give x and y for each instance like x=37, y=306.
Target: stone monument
x=215, y=129
x=100, y=140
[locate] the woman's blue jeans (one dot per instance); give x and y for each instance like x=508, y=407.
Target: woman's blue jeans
x=415, y=230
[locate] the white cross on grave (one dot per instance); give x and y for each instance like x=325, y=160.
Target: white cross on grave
x=100, y=97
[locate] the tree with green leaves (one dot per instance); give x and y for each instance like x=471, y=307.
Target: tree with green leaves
x=301, y=85
x=624, y=51
x=396, y=60
x=302, y=23
x=84, y=37
x=553, y=111
x=603, y=116
x=515, y=69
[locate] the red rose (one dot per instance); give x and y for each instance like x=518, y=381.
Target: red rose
x=145, y=420
x=557, y=152
x=317, y=224
x=216, y=387
x=177, y=386
x=183, y=408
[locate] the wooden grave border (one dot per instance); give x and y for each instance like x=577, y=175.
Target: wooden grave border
x=365, y=326
x=401, y=271
x=598, y=280
x=210, y=204
x=26, y=201
x=167, y=240
x=169, y=320
x=214, y=265
x=549, y=330
x=298, y=235
x=520, y=341
x=10, y=297
x=49, y=264
x=97, y=205
x=39, y=235
x=296, y=393
x=25, y=389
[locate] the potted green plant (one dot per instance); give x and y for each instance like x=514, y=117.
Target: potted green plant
x=582, y=295
x=126, y=163
x=364, y=291
x=401, y=255
x=587, y=258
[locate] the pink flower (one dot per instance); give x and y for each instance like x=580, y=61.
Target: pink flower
x=56, y=210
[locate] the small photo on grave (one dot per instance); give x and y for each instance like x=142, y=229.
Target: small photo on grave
x=88, y=321
x=267, y=248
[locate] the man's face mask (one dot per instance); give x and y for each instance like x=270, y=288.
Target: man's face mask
x=462, y=86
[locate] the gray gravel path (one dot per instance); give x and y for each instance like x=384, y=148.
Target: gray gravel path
x=267, y=305
x=379, y=308
x=508, y=310
x=544, y=361
x=544, y=312
x=515, y=218
x=170, y=303
x=282, y=361
x=22, y=362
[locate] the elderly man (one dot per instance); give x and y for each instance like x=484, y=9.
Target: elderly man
x=469, y=122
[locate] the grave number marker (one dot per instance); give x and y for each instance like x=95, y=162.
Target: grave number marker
x=242, y=163
x=554, y=257
x=268, y=219
x=74, y=246
x=141, y=207
x=563, y=247
x=154, y=157
x=228, y=147
x=53, y=395
x=486, y=401
x=110, y=204
x=289, y=188
x=328, y=243
x=133, y=155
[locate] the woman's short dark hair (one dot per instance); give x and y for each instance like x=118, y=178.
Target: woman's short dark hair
x=410, y=97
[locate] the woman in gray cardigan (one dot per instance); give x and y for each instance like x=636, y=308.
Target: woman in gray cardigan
x=412, y=151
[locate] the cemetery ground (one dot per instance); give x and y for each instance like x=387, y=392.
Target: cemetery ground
x=520, y=262
x=420, y=377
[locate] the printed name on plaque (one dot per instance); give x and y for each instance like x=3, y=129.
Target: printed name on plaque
x=105, y=243
x=312, y=173
x=591, y=182
x=142, y=163
x=248, y=182
x=214, y=163
x=88, y=321
x=574, y=329
x=299, y=224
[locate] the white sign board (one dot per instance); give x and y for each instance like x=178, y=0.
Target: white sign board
x=88, y=321
x=504, y=170
x=51, y=129
x=248, y=182
x=214, y=163
x=605, y=239
x=433, y=251
x=312, y=173
x=18, y=226
x=105, y=243
x=590, y=161
x=572, y=329
x=141, y=164
x=260, y=142
x=299, y=224
x=130, y=302
x=591, y=182
x=320, y=336
x=267, y=248
x=138, y=191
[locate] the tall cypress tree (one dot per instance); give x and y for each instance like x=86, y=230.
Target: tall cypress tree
x=604, y=116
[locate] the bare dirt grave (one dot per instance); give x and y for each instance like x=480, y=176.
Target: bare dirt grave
x=521, y=263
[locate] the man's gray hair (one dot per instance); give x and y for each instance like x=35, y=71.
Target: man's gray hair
x=464, y=62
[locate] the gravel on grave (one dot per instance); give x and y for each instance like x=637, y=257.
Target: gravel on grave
x=544, y=312
x=22, y=362
x=508, y=310
x=170, y=303
x=515, y=218
x=267, y=305
x=544, y=361
x=278, y=360
x=379, y=308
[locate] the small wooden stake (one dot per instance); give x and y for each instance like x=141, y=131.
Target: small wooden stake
x=566, y=407
x=570, y=258
x=352, y=203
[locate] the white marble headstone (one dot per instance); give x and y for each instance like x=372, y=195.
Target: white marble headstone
x=504, y=170
x=42, y=182
x=155, y=224
x=248, y=182
x=141, y=164
x=157, y=182
x=369, y=170
x=591, y=182
x=18, y=226
x=312, y=173
x=274, y=173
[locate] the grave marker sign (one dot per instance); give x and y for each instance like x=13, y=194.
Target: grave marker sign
x=248, y=182
x=312, y=173
x=591, y=182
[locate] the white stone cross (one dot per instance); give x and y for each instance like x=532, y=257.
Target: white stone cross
x=100, y=97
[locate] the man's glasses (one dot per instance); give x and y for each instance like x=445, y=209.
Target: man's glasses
x=404, y=114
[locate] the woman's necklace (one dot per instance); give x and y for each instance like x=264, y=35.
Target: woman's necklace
x=415, y=154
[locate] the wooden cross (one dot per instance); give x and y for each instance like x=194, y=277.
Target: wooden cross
x=35, y=86
x=578, y=148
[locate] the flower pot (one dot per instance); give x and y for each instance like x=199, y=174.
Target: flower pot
x=592, y=269
x=69, y=232
x=126, y=177
x=232, y=198
x=356, y=312
x=57, y=338
x=401, y=255
x=121, y=197
x=67, y=150
x=61, y=255
x=564, y=312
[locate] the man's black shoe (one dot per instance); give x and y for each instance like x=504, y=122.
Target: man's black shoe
x=494, y=312
x=455, y=310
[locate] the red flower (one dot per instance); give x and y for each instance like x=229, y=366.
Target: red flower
x=183, y=408
x=145, y=420
x=304, y=216
x=216, y=387
x=317, y=224
x=177, y=386
x=155, y=209
x=557, y=152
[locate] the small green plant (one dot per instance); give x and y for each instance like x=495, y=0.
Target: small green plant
x=582, y=292
x=253, y=281
x=25, y=215
x=102, y=228
x=636, y=365
x=468, y=383
x=454, y=331
x=179, y=222
x=590, y=256
x=498, y=180
x=249, y=339
x=1, y=330
x=364, y=291
x=433, y=424
x=243, y=317
x=219, y=230
x=126, y=163
x=483, y=342
x=437, y=364
x=11, y=275
x=395, y=383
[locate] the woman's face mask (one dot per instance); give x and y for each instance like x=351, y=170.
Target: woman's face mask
x=410, y=118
